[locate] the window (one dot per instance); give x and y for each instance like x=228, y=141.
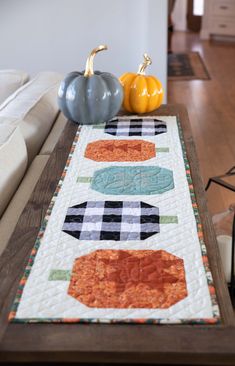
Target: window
x=198, y=7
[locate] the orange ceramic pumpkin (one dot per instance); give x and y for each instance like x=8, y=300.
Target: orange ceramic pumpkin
x=142, y=93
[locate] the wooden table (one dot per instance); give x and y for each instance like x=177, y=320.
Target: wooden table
x=121, y=343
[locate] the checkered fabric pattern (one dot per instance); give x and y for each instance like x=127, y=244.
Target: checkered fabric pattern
x=135, y=127
x=112, y=220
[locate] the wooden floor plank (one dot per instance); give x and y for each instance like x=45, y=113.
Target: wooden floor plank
x=211, y=111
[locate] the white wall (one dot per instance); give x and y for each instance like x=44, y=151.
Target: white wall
x=156, y=39
x=57, y=35
x=179, y=15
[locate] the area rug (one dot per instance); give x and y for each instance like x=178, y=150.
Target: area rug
x=122, y=239
x=186, y=66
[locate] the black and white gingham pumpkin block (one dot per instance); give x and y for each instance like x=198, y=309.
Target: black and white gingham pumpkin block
x=113, y=220
x=135, y=127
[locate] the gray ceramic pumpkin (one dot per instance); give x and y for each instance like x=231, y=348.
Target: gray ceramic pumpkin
x=90, y=97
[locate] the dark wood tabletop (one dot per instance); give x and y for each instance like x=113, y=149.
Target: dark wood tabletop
x=107, y=343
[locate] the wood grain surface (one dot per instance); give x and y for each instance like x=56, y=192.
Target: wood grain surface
x=119, y=343
x=211, y=109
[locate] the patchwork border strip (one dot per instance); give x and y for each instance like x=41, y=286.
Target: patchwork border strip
x=215, y=309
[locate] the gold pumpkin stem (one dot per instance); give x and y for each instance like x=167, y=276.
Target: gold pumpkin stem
x=90, y=60
x=146, y=63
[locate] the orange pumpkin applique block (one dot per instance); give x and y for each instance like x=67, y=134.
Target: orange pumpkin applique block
x=128, y=279
x=120, y=150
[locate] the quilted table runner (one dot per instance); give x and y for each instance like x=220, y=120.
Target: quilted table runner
x=122, y=239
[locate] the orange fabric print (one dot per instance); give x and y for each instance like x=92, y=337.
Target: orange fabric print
x=120, y=150
x=128, y=279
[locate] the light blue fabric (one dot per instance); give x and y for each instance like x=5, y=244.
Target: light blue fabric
x=132, y=180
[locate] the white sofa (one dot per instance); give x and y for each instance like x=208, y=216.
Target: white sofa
x=30, y=125
x=11, y=80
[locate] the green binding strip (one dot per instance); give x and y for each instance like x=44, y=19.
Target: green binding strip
x=162, y=149
x=168, y=220
x=59, y=275
x=84, y=179
x=98, y=127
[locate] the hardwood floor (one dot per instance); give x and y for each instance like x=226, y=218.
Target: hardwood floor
x=211, y=108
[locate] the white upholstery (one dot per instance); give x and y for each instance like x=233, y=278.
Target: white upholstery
x=10, y=81
x=7, y=127
x=13, y=160
x=225, y=247
x=13, y=211
x=36, y=105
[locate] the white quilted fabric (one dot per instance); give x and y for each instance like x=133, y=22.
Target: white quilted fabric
x=43, y=299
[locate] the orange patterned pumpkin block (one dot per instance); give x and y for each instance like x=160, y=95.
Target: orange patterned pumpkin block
x=128, y=279
x=120, y=150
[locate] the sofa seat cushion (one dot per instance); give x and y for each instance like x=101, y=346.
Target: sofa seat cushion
x=35, y=104
x=13, y=160
x=10, y=81
x=12, y=213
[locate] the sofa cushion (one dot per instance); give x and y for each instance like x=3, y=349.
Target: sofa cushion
x=13, y=160
x=10, y=81
x=35, y=104
x=11, y=215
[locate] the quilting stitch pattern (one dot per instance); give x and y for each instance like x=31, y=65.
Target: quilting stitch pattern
x=120, y=150
x=44, y=300
x=128, y=279
x=132, y=180
x=135, y=127
x=112, y=220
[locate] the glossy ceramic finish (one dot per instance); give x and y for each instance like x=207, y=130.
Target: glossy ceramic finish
x=90, y=99
x=142, y=93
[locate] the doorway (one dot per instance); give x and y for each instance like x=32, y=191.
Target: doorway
x=194, y=15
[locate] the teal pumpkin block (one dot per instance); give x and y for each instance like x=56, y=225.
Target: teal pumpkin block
x=133, y=180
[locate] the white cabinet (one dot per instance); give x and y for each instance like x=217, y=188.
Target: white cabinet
x=218, y=18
